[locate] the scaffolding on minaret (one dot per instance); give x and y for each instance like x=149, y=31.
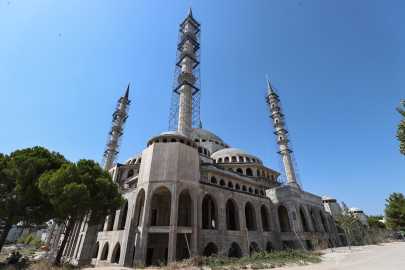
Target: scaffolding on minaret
x=186, y=91
x=114, y=138
x=281, y=137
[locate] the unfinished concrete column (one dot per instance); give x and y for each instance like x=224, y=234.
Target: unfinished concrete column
x=173, y=225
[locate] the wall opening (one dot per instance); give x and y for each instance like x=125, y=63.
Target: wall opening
x=185, y=214
x=283, y=219
x=210, y=249
x=209, y=213
x=161, y=207
x=232, y=218
x=265, y=218
x=250, y=217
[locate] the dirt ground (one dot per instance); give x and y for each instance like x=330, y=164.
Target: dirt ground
x=375, y=257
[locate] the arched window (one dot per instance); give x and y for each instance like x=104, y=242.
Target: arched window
x=232, y=218
x=250, y=217
x=205, y=152
x=204, y=140
x=220, y=160
x=244, y=188
x=173, y=140
x=104, y=253
x=160, y=207
x=95, y=250
x=303, y=220
x=230, y=169
x=263, y=175
x=199, y=150
x=240, y=159
x=283, y=219
x=230, y=185
x=237, y=186
x=261, y=192
x=139, y=161
x=256, y=192
x=234, y=251
x=156, y=141
x=247, y=159
x=249, y=172
x=139, y=207
x=239, y=170
x=213, y=180
x=233, y=159
x=253, y=160
x=209, y=213
x=281, y=138
x=182, y=141
x=196, y=140
x=265, y=218
x=216, y=142
x=165, y=140
x=130, y=173
x=226, y=160
x=272, y=177
x=222, y=182
x=111, y=221
x=258, y=172
x=250, y=190
x=123, y=216
x=185, y=213
x=210, y=249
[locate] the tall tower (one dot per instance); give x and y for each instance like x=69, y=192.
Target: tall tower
x=114, y=137
x=185, y=104
x=282, y=138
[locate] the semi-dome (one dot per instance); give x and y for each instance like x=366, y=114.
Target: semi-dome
x=205, y=134
x=233, y=152
x=134, y=160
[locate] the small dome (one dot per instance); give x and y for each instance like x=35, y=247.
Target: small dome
x=233, y=152
x=355, y=209
x=174, y=133
x=205, y=134
x=327, y=198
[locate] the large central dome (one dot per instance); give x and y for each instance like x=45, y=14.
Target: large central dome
x=205, y=134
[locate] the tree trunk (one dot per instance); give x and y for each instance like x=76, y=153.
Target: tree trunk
x=64, y=241
x=4, y=234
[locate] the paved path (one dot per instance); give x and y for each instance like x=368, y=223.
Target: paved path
x=375, y=257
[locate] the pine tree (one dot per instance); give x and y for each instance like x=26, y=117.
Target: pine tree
x=395, y=211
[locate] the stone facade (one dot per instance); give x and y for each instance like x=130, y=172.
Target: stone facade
x=189, y=193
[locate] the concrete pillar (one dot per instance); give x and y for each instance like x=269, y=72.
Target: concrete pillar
x=173, y=225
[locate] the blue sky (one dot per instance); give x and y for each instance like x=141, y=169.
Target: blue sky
x=338, y=65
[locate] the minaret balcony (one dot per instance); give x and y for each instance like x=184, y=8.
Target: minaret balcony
x=279, y=124
x=283, y=142
x=276, y=108
x=186, y=77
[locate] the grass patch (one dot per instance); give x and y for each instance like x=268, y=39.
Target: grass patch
x=257, y=260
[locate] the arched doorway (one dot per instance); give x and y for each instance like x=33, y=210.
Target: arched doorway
x=209, y=213
x=210, y=249
x=325, y=227
x=234, y=251
x=160, y=207
x=283, y=219
x=268, y=247
x=265, y=218
x=111, y=221
x=303, y=220
x=313, y=220
x=254, y=247
x=185, y=213
x=104, y=253
x=232, y=218
x=250, y=217
x=115, y=258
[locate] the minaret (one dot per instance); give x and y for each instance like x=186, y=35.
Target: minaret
x=185, y=109
x=283, y=140
x=114, y=138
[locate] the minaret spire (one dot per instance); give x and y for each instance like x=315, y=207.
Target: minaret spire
x=114, y=138
x=282, y=137
x=185, y=109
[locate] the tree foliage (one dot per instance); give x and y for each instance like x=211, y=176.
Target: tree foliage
x=401, y=129
x=347, y=219
x=374, y=223
x=78, y=191
x=21, y=201
x=395, y=211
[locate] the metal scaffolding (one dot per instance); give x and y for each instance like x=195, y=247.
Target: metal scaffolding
x=282, y=177
x=114, y=138
x=194, y=80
